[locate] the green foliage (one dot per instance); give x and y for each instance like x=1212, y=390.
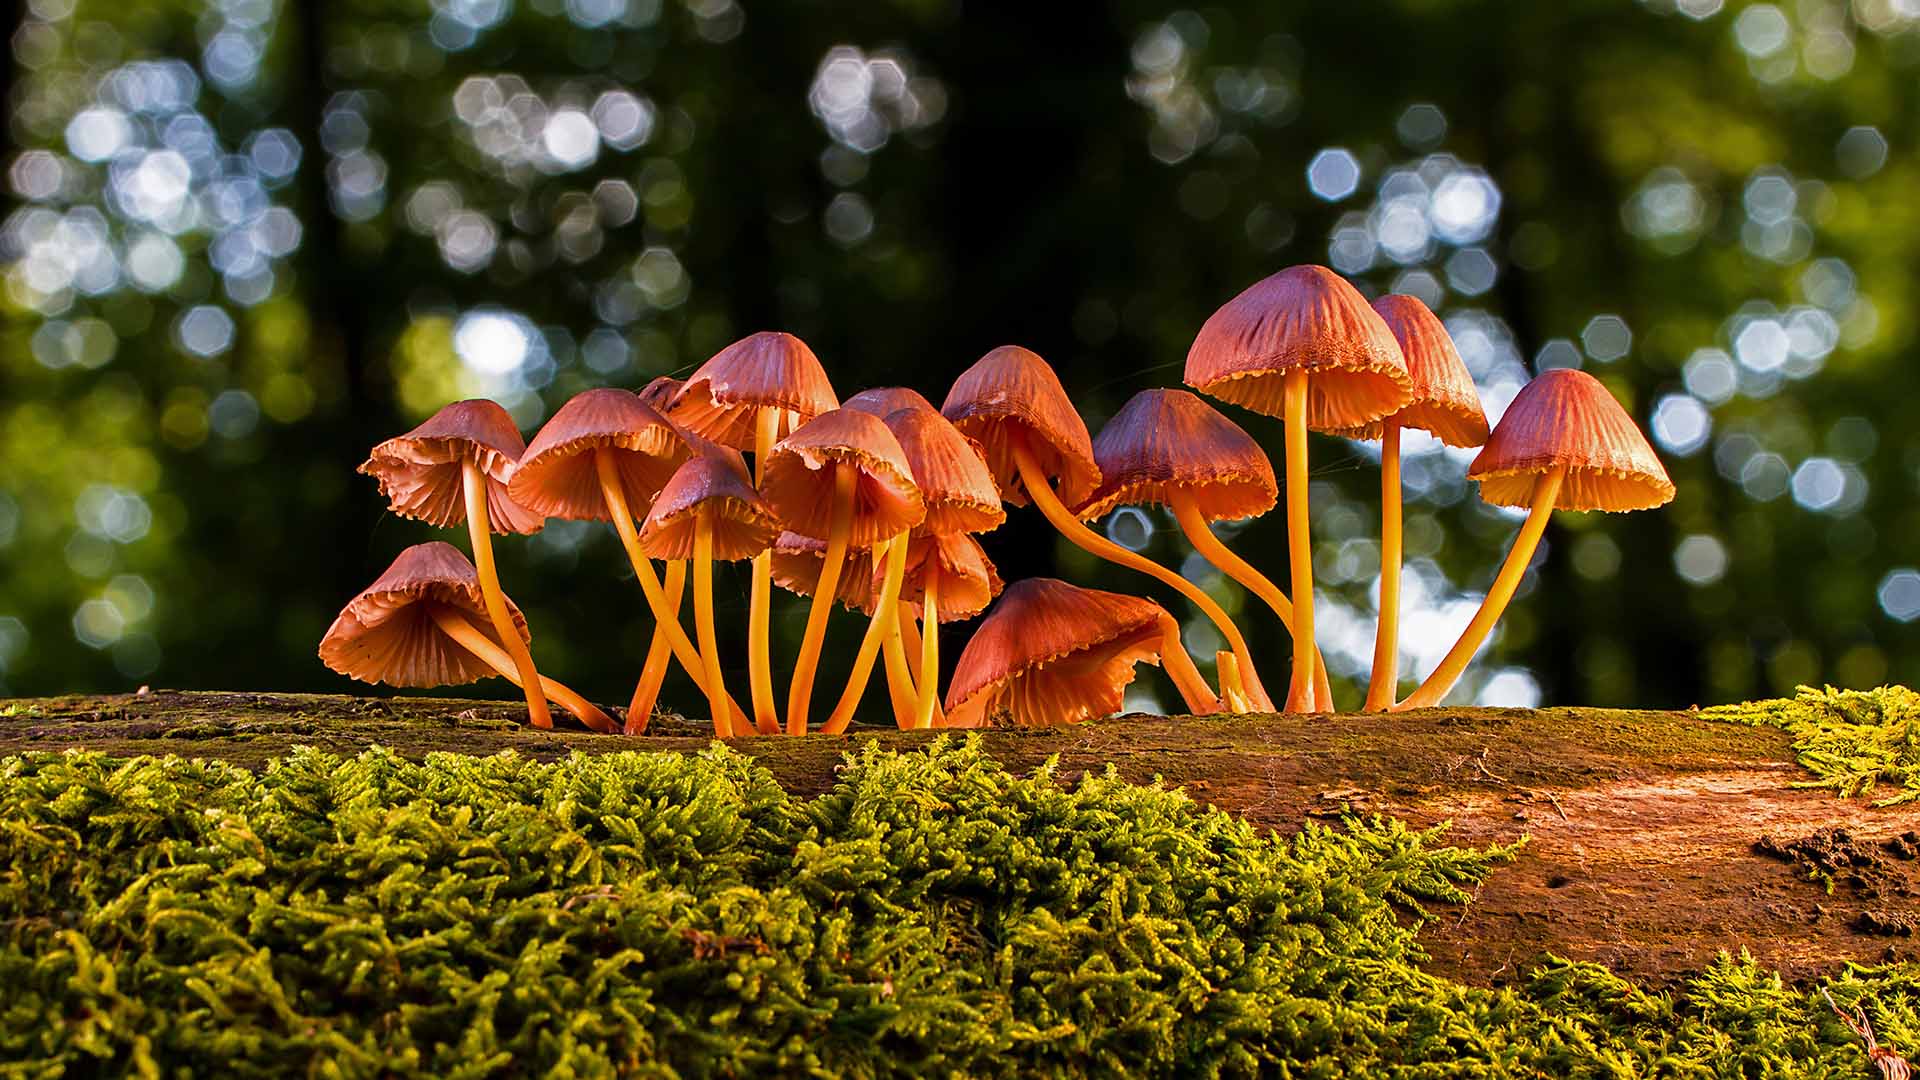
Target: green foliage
x=657, y=914
x=1851, y=739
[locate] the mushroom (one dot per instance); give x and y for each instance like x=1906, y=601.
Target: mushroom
x=883, y=400
x=1053, y=653
x=1169, y=448
x=1302, y=345
x=1564, y=444
x=414, y=627
x=709, y=510
x=1012, y=403
x=840, y=477
x=455, y=468
x=1446, y=406
x=747, y=396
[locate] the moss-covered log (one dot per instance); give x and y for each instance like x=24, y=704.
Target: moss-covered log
x=1656, y=839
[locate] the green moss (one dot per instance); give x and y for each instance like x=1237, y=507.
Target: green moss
x=1852, y=740
x=932, y=914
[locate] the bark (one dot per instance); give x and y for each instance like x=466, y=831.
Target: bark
x=1645, y=829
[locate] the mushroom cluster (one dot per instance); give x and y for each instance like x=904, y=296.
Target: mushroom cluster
x=877, y=504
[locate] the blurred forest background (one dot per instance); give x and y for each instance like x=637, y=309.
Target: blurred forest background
x=247, y=239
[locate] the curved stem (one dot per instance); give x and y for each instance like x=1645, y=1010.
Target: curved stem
x=1179, y=667
x=905, y=641
x=1229, y=669
x=885, y=610
x=474, y=487
x=900, y=689
x=1545, y=490
x=1299, y=544
x=1384, y=684
x=703, y=620
x=475, y=641
x=929, y=644
x=664, y=617
x=839, y=528
x=1087, y=540
x=647, y=691
x=766, y=715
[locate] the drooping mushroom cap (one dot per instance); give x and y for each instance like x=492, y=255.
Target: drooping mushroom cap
x=797, y=561
x=558, y=476
x=1445, y=403
x=1054, y=653
x=949, y=470
x=716, y=479
x=1162, y=441
x=1304, y=318
x=387, y=633
x=1012, y=391
x=798, y=481
x=1566, y=418
x=420, y=472
x=881, y=400
x=722, y=398
x=968, y=579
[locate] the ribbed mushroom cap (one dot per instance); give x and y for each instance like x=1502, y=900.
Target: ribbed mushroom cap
x=558, y=477
x=1012, y=390
x=968, y=579
x=796, y=568
x=387, y=634
x=881, y=400
x=1304, y=318
x=1566, y=418
x=1445, y=403
x=420, y=472
x=1054, y=653
x=949, y=470
x=798, y=481
x=716, y=478
x=1162, y=441
x=766, y=370
x=660, y=392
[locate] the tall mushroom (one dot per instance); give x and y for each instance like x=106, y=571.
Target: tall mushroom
x=414, y=627
x=709, y=510
x=1446, y=406
x=1302, y=345
x=840, y=477
x=454, y=468
x=1169, y=448
x=1564, y=444
x=1038, y=450
x=747, y=396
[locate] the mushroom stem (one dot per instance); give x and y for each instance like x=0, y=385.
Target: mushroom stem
x=703, y=620
x=905, y=641
x=475, y=641
x=1299, y=544
x=885, y=611
x=929, y=644
x=1179, y=666
x=647, y=691
x=474, y=487
x=1384, y=684
x=766, y=715
x=1224, y=662
x=1187, y=512
x=839, y=529
x=1546, y=489
x=1093, y=543
x=666, y=618
x=900, y=689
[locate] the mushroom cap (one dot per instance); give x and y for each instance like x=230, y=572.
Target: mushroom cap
x=715, y=478
x=796, y=568
x=722, y=398
x=660, y=392
x=881, y=400
x=1011, y=390
x=949, y=470
x=798, y=482
x=1304, y=318
x=1566, y=418
x=387, y=633
x=1162, y=441
x=420, y=472
x=557, y=476
x=1445, y=403
x=968, y=579
x=1054, y=653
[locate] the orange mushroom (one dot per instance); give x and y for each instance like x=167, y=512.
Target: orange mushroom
x=1564, y=444
x=455, y=468
x=747, y=396
x=414, y=627
x=1302, y=345
x=883, y=400
x=1038, y=450
x=1053, y=653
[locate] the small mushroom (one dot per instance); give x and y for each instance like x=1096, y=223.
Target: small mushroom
x=454, y=468
x=883, y=400
x=414, y=626
x=1564, y=444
